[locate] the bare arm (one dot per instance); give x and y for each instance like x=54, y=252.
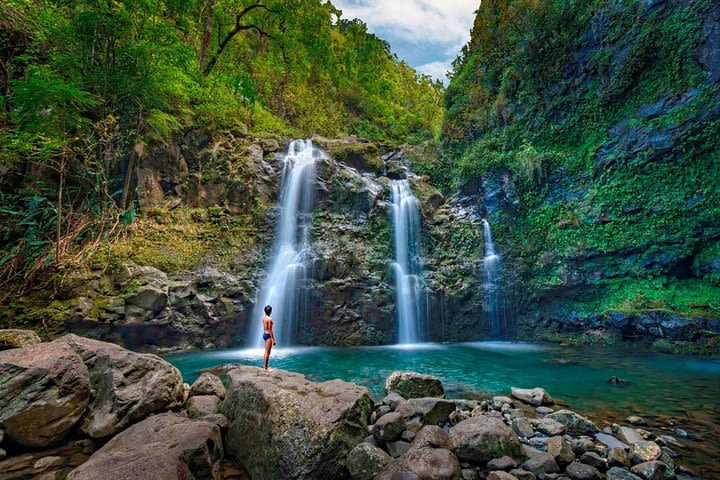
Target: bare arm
x=272, y=332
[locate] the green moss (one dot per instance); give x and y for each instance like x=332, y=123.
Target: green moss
x=578, y=339
x=709, y=347
x=34, y=312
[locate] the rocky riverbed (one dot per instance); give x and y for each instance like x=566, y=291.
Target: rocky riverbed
x=77, y=408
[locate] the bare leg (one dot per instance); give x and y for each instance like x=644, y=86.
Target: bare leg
x=268, y=348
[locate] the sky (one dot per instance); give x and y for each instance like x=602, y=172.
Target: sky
x=427, y=34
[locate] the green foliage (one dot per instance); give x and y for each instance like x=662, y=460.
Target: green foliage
x=558, y=94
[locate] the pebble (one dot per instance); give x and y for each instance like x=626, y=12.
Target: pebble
x=682, y=433
x=635, y=420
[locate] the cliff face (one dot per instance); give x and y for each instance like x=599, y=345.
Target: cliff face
x=588, y=134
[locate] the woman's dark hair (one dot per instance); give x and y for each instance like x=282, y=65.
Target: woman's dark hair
x=268, y=309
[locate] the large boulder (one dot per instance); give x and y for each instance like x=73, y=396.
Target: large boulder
x=285, y=426
x=208, y=384
x=534, y=396
x=482, y=438
x=44, y=391
x=202, y=405
x=414, y=385
x=365, y=461
x=574, y=423
x=423, y=464
x=15, y=338
x=426, y=411
x=128, y=386
x=163, y=447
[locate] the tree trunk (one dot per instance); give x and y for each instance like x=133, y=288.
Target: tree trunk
x=59, y=209
x=207, y=33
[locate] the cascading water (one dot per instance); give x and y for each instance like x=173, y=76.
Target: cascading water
x=411, y=299
x=498, y=312
x=285, y=286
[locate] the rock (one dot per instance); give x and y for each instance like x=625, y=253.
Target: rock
x=397, y=448
x=630, y=436
x=389, y=427
x=128, y=386
x=682, y=433
x=544, y=410
x=218, y=419
x=617, y=473
x=208, y=384
x=559, y=449
x=458, y=416
x=523, y=427
x=551, y=427
x=594, y=460
x=533, y=396
x=645, y=451
x=521, y=474
x=393, y=400
x=431, y=436
x=500, y=475
x=47, y=464
x=499, y=400
x=541, y=464
x=650, y=470
x=503, y=463
x=414, y=385
x=44, y=391
x=428, y=410
x=574, y=423
x=149, y=298
x=365, y=461
x=618, y=457
x=581, y=471
x=423, y=464
x=469, y=474
x=582, y=444
x=202, y=405
x=165, y=446
x=382, y=410
x=610, y=441
x=300, y=429
x=408, y=436
x=16, y=338
x=635, y=420
x=481, y=438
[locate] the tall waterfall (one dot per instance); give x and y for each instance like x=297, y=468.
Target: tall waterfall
x=285, y=286
x=411, y=299
x=498, y=309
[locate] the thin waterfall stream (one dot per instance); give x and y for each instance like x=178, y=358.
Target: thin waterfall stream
x=285, y=286
x=411, y=298
x=498, y=312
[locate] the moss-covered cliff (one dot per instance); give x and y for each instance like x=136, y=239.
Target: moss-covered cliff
x=603, y=118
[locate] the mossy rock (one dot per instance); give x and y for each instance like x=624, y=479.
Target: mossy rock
x=16, y=338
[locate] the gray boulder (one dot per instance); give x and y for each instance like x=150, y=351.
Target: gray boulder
x=541, y=464
x=574, y=423
x=653, y=470
x=389, y=427
x=162, y=447
x=502, y=463
x=534, y=396
x=431, y=436
x=128, y=386
x=208, y=384
x=617, y=473
x=581, y=471
x=426, y=411
x=523, y=427
x=16, y=338
x=414, y=385
x=202, y=405
x=365, y=461
x=550, y=427
x=500, y=475
x=482, y=438
x=423, y=464
x=285, y=426
x=560, y=450
x=44, y=391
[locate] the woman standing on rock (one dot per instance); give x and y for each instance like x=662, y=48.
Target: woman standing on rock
x=268, y=335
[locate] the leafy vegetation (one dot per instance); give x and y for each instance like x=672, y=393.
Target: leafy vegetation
x=87, y=85
x=603, y=113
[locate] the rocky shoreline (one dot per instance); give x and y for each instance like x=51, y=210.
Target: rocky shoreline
x=77, y=408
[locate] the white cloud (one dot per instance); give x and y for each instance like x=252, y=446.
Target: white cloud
x=436, y=70
x=440, y=28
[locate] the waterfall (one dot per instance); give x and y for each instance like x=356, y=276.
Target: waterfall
x=285, y=286
x=411, y=299
x=498, y=311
